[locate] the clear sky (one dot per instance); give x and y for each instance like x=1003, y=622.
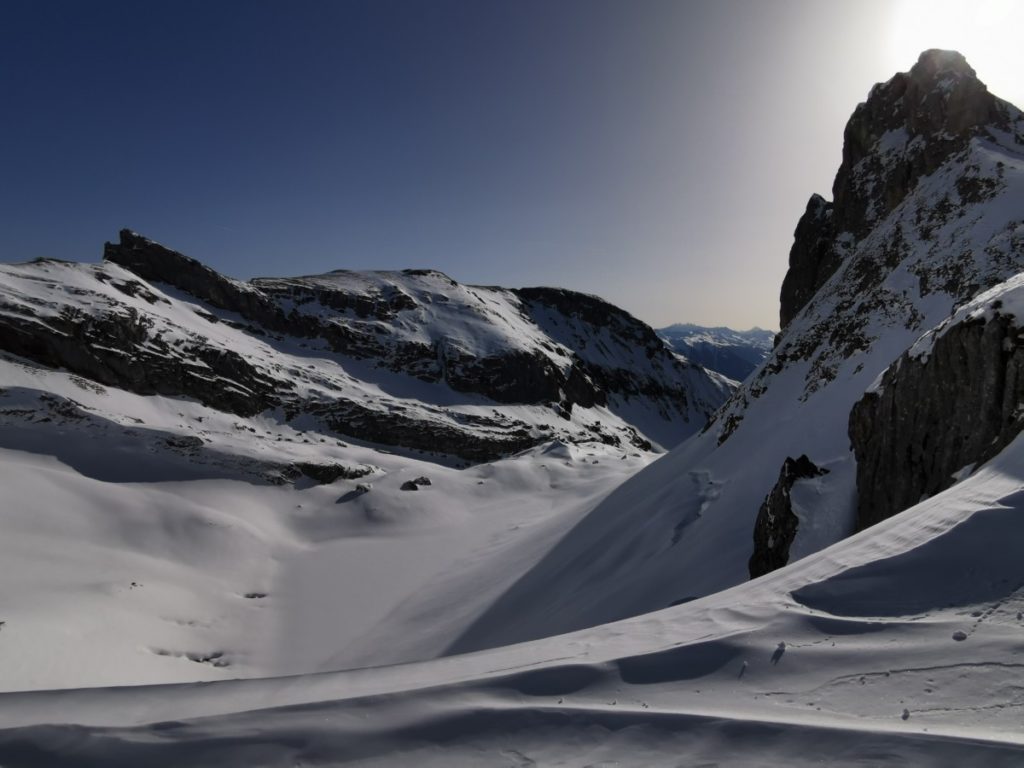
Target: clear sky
x=655, y=153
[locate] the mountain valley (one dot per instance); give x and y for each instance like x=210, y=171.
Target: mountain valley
x=385, y=518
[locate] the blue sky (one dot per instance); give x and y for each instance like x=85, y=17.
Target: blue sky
x=655, y=153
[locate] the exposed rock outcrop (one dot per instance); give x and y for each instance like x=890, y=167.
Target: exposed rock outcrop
x=121, y=348
x=508, y=378
x=922, y=221
x=357, y=318
x=777, y=523
x=935, y=414
x=368, y=314
x=470, y=437
x=325, y=474
x=929, y=113
x=158, y=264
x=812, y=258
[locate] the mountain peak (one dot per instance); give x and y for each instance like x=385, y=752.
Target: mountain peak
x=907, y=128
x=936, y=61
x=941, y=95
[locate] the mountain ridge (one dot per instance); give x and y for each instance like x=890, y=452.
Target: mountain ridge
x=434, y=352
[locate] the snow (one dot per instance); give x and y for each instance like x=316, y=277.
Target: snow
x=822, y=507
x=1006, y=299
x=719, y=335
x=167, y=601
x=814, y=663
x=469, y=319
x=892, y=141
x=148, y=554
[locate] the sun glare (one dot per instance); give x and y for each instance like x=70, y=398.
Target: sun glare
x=987, y=32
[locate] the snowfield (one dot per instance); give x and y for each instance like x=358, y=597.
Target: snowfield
x=900, y=645
x=151, y=540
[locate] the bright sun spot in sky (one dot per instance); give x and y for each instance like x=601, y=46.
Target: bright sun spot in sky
x=987, y=32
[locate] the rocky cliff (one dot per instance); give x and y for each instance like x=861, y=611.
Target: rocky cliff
x=917, y=226
x=946, y=406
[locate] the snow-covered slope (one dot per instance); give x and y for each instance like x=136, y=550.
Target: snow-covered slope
x=928, y=213
x=729, y=352
x=814, y=664
x=149, y=539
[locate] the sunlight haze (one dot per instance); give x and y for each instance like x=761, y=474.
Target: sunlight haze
x=658, y=154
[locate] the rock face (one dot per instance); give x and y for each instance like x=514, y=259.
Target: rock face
x=939, y=105
x=509, y=378
x=812, y=259
x=906, y=129
x=410, y=359
x=118, y=348
x=777, y=523
x=475, y=438
x=934, y=414
x=157, y=264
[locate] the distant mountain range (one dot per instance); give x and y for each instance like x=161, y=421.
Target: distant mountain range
x=729, y=352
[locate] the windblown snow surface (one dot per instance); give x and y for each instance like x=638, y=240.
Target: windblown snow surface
x=902, y=645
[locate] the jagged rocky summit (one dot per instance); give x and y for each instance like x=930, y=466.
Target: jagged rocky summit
x=906, y=130
x=410, y=359
x=927, y=215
